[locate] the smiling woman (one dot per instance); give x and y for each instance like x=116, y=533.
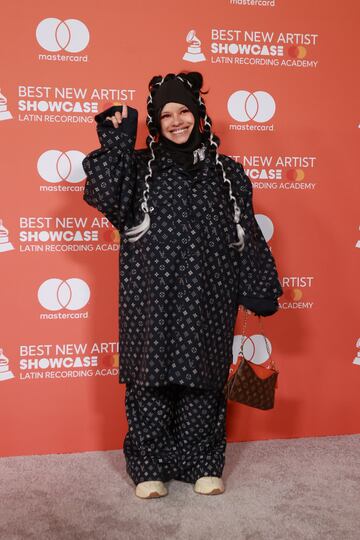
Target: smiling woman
x=176, y=122
x=184, y=270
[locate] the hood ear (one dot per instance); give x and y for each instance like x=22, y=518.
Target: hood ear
x=195, y=78
x=155, y=81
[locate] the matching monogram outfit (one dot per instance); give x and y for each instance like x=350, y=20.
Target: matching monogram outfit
x=180, y=288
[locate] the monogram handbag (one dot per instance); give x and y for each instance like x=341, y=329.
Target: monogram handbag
x=253, y=384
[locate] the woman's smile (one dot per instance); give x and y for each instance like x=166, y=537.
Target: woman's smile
x=176, y=122
x=179, y=130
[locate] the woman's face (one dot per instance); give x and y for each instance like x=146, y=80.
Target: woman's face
x=176, y=122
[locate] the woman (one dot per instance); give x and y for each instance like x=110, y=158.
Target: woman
x=191, y=251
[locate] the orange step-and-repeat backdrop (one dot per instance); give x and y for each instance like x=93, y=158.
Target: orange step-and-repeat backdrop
x=283, y=97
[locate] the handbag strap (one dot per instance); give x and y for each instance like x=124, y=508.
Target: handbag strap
x=272, y=363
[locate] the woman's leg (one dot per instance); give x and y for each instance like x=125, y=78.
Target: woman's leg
x=200, y=433
x=149, y=448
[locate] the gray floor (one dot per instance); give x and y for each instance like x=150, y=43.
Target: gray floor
x=281, y=489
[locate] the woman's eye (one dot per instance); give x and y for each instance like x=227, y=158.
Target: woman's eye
x=185, y=111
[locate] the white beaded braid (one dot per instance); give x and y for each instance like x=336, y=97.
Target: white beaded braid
x=136, y=232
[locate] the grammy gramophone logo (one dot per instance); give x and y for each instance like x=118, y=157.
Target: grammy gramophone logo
x=193, y=53
x=5, y=372
x=4, y=113
x=5, y=245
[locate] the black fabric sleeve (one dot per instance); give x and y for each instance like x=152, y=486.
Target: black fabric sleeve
x=111, y=170
x=259, y=273
x=259, y=285
x=261, y=306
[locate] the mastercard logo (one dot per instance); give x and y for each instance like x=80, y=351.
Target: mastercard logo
x=293, y=294
x=55, y=35
x=55, y=166
x=112, y=236
x=255, y=348
x=266, y=226
x=110, y=360
x=295, y=175
x=244, y=106
x=297, y=51
x=71, y=294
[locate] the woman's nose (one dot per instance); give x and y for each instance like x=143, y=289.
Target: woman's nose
x=176, y=119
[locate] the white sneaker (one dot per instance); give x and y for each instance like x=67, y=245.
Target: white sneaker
x=150, y=489
x=209, y=485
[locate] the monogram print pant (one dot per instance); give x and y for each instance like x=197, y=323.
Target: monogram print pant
x=175, y=432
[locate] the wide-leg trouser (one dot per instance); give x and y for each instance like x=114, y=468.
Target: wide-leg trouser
x=175, y=432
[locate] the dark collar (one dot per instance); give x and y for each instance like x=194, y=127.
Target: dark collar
x=165, y=161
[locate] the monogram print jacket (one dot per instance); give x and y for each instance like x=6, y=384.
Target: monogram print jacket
x=181, y=283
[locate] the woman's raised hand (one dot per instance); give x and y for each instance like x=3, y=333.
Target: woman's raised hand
x=117, y=118
x=120, y=117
